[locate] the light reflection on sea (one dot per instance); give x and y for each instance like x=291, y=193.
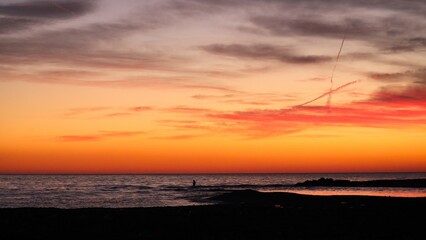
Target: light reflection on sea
x=339, y=191
x=116, y=191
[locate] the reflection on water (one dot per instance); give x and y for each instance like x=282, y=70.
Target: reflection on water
x=114, y=191
x=384, y=192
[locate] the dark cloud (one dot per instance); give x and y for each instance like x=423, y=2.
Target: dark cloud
x=318, y=17
x=262, y=52
x=410, y=6
x=411, y=44
x=421, y=41
x=92, y=45
x=277, y=25
x=356, y=27
x=388, y=33
x=95, y=46
x=80, y=46
x=15, y=17
x=47, y=9
x=416, y=76
x=8, y=25
x=394, y=25
x=415, y=94
x=388, y=25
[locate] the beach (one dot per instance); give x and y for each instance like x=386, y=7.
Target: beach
x=242, y=214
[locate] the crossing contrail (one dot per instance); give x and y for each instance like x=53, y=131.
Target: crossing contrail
x=330, y=92
x=327, y=93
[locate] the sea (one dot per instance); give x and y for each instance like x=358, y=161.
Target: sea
x=118, y=191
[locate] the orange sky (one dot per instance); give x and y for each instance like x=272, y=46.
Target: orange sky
x=185, y=86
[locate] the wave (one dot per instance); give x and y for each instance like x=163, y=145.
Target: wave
x=125, y=187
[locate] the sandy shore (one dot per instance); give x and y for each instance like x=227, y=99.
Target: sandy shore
x=236, y=215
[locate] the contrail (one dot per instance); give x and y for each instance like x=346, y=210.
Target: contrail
x=338, y=56
x=334, y=69
x=327, y=93
x=331, y=91
x=329, y=98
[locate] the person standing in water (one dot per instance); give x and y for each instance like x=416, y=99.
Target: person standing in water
x=193, y=182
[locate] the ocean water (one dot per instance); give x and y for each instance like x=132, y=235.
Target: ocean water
x=114, y=191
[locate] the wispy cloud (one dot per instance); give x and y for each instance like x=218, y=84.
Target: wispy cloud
x=407, y=45
x=77, y=46
x=388, y=107
x=133, y=82
x=140, y=108
x=84, y=110
x=105, y=111
x=186, y=109
x=188, y=125
x=8, y=24
x=128, y=111
x=264, y=52
x=245, y=98
x=117, y=114
x=47, y=9
x=268, y=123
x=385, y=33
x=193, y=7
x=97, y=44
x=177, y=137
x=19, y=16
x=139, y=50
x=405, y=88
x=102, y=135
x=411, y=95
x=208, y=97
x=417, y=76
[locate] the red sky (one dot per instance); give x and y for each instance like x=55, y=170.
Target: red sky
x=186, y=86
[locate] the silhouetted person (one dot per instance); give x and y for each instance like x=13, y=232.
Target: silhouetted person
x=193, y=183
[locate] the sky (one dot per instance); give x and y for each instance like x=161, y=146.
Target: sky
x=212, y=86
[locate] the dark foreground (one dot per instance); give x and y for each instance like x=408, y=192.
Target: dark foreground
x=246, y=215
